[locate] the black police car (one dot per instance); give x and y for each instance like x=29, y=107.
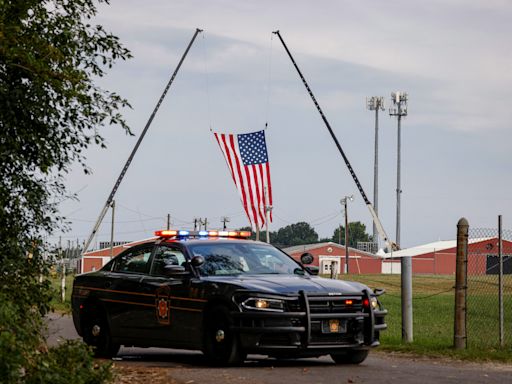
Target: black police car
x=218, y=292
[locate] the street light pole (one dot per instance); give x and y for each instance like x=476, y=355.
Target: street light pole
x=374, y=104
x=399, y=109
x=343, y=202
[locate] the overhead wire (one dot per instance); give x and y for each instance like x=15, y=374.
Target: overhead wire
x=331, y=218
x=117, y=221
x=132, y=210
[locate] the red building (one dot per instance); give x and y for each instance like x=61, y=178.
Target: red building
x=439, y=258
x=332, y=255
x=94, y=260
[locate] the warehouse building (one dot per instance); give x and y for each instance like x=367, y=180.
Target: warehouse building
x=95, y=260
x=332, y=255
x=438, y=258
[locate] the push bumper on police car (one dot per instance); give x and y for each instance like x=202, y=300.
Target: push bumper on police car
x=308, y=324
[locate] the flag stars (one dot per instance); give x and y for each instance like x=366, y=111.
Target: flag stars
x=253, y=148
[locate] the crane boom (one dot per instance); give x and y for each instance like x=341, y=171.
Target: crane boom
x=132, y=155
x=390, y=244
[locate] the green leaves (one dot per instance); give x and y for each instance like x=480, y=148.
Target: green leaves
x=356, y=231
x=51, y=110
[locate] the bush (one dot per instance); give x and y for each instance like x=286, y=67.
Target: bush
x=25, y=357
x=51, y=111
x=70, y=362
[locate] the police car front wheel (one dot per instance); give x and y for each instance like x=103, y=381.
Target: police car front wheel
x=221, y=343
x=97, y=335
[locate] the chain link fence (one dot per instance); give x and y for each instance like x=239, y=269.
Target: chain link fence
x=488, y=326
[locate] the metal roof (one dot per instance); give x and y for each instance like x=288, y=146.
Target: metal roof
x=99, y=252
x=309, y=247
x=437, y=246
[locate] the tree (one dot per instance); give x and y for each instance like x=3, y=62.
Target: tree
x=51, y=110
x=295, y=234
x=356, y=231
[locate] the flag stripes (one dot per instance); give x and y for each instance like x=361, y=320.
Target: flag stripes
x=247, y=160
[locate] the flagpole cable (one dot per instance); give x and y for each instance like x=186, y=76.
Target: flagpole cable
x=207, y=83
x=269, y=81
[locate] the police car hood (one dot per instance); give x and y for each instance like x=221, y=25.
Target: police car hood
x=291, y=284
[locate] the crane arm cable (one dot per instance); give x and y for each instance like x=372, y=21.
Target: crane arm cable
x=132, y=155
x=349, y=166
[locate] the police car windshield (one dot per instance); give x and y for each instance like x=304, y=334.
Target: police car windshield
x=248, y=258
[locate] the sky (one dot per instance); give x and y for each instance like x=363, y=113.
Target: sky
x=452, y=57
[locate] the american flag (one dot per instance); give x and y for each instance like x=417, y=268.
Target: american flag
x=247, y=159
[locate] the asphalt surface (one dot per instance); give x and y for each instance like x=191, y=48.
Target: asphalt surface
x=189, y=367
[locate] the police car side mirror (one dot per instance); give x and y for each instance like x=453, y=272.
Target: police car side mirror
x=175, y=271
x=197, y=261
x=306, y=258
x=312, y=269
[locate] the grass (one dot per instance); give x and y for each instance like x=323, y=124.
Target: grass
x=433, y=316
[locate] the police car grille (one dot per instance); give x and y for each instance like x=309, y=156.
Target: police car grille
x=338, y=304
x=294, y=306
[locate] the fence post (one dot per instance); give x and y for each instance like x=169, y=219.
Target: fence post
x=500, y=283
x=460, y=335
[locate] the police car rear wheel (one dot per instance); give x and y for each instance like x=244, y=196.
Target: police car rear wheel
x=221, y=344
x=350, y=356
x=97, y=335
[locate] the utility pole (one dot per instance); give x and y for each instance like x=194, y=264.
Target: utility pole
x=196, y=221
x=205, y=223
x=63, y=271
x=376, y=103
x=168, y=221
x=343, y=202
x=112, y=229
x=399, y=109
x=268, y=209
x=224, y=220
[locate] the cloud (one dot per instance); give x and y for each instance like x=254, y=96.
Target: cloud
x=452, y=57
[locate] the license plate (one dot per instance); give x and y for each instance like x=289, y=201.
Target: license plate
x=334, y=326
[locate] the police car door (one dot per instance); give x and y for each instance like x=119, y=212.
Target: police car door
x=126, y=302
x=169, y=317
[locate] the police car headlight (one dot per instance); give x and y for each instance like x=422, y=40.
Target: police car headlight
x=374, y=302
x=262, y=304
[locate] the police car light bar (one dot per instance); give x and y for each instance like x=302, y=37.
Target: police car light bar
x=183, y=233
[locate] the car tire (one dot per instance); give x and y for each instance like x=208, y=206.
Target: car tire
x=221, y=344
x=351, y=356
x=97, y=335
